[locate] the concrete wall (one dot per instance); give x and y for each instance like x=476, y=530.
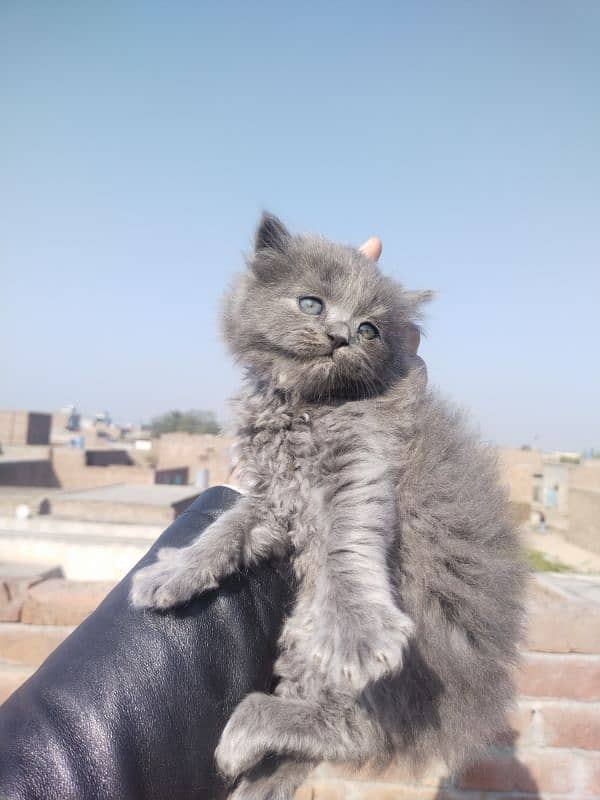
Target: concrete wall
x=85, y=550
x=196, y=452
x=102, y=511
x=586, y=475
x=517, y=469
x=72, y=468
x=87, y=558
x=584, y=518
x=73, y=473
x=58, y=428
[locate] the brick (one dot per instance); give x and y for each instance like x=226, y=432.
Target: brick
x=11, y=677
x=572, y=676
x=30, y=644
x=572, y=725
x=523, y=727
x=590, y=773
x=15, y=580
x=560, y=621
x=449, y=793
x=398, y=773
x=328, y=791
x=63, y=602
x=390, y=791
x=529, y=771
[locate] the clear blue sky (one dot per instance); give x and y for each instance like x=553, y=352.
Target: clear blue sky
x=140, y=140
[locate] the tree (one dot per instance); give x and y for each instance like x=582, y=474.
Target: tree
x=192, y=421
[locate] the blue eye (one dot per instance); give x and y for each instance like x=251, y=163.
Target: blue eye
x=367, y=331
x=311, y=305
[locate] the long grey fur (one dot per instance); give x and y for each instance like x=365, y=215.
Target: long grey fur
x=408, y=610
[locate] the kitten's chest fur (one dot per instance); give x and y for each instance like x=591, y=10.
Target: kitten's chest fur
x=289, y=454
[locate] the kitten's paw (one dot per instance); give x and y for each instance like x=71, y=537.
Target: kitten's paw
x=169, y=581
x=357, y=656
x=241, y=747
x=385, y=649
x=280, y=784
x=260, y=790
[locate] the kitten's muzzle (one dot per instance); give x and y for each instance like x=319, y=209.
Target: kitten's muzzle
x=339, y=336
x=337, y=341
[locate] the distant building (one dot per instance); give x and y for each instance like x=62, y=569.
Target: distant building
x=518, y=467
x=550, y=488
x=565, y=488
x=208, y=458
x=78, y=468
x=584, y=505
x=24, y=427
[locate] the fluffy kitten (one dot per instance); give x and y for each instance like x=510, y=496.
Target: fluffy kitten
x=408, y=604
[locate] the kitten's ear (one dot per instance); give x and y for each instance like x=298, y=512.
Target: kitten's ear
x=416, y=299
x=413, y=339
x=271, y=234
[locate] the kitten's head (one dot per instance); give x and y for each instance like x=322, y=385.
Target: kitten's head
x=317, y=318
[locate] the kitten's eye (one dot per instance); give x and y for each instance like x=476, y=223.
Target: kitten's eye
x=367, y=331
x=311, y=305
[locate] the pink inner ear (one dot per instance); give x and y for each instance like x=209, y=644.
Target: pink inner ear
x=413, y=340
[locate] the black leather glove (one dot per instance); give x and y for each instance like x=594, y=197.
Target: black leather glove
x=132, y=704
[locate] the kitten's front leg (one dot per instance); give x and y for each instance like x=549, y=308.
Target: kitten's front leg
x=359, y=633
x=306, y=730
x=358, y=646
x=235, y=539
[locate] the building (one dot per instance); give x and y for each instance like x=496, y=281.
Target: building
x=24, y=428
x=584, y=505
x=561, y=486
x=68, y=467
x=550, y=488
x=208, y=458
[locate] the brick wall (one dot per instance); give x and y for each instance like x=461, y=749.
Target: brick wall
x=553, y=751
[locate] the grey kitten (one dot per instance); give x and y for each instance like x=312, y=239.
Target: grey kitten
x=409, y=587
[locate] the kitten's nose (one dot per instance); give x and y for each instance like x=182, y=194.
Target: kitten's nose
x=339, y=335
x=337, y=340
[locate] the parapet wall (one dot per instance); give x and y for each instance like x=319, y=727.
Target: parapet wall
x=553, y=752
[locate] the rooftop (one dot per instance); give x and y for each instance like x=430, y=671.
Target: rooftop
x=134, y=494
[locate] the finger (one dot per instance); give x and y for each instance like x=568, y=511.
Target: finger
x=372, y=248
